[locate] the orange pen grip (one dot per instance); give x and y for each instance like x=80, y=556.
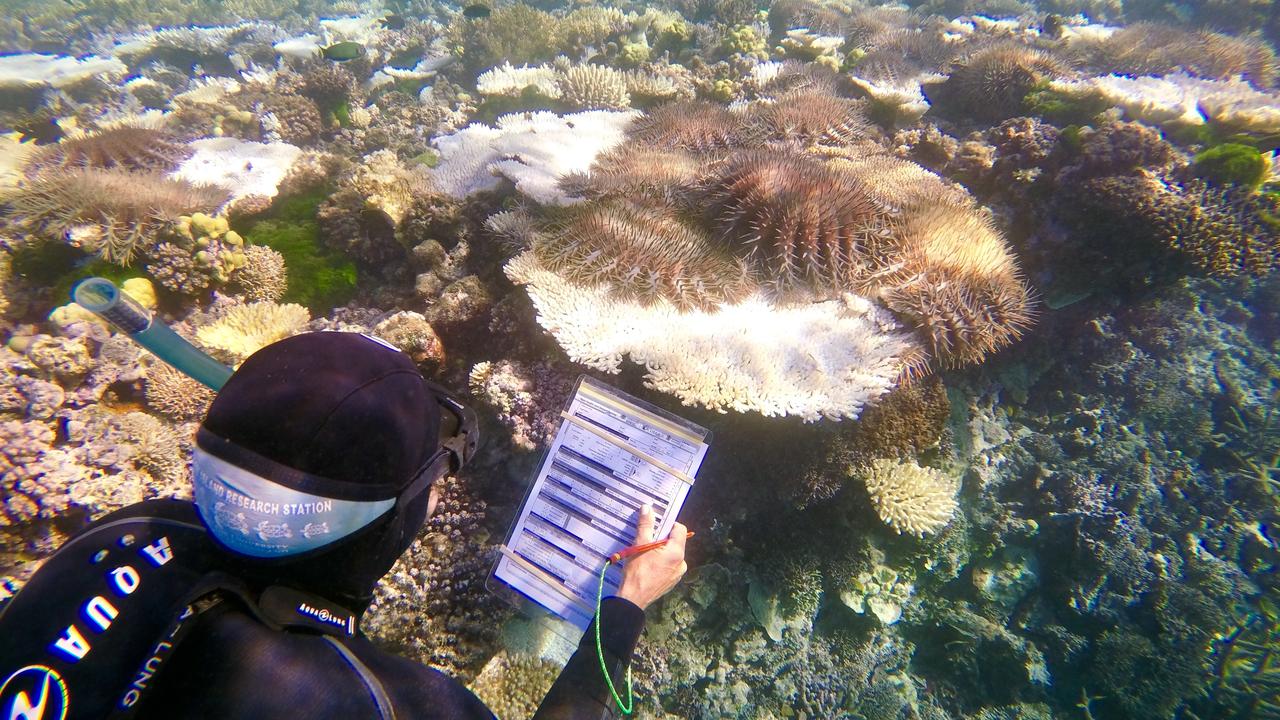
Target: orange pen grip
x=637, y=549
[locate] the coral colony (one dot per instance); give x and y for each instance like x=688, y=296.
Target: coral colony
x=978, y=300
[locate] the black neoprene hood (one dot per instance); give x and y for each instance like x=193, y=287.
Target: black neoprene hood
x=331, y=413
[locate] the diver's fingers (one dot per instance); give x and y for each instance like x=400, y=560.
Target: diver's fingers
x=679, y=534
x=644, y=528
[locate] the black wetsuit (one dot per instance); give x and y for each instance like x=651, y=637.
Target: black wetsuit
x=232, y=666
x=228, y=663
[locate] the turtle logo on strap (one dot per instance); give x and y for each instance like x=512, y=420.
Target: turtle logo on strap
x=270, y=531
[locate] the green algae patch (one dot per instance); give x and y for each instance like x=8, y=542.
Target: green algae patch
x=319, y=278
x=1232, y=164
x=59, y=267
x=1060, y=108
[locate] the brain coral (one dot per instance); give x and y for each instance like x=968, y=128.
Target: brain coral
x=123, y=209
x=802, y=220
x=911, y=499
x=643, y=253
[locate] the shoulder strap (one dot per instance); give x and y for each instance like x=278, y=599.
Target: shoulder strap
x=98, y=610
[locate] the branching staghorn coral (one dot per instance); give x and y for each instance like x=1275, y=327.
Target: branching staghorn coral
x=127, y=147
x=799, y=219
x=123, y=210
x=909, y=498
x=594, y=87
x=643, y=253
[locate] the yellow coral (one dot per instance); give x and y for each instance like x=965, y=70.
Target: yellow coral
x=245, y=329
x=142, y=290
x=910, y=498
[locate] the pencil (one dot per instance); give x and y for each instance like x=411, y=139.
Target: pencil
x=637, y=549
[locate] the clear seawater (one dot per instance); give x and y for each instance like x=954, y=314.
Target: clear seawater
x=1091, y=414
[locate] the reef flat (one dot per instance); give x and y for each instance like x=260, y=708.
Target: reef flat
x=977, y=298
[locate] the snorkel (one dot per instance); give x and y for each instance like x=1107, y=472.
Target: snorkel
x=101, y=297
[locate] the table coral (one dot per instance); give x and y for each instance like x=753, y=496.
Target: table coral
x=825, y=359
x=247, y=168
x=532, y=150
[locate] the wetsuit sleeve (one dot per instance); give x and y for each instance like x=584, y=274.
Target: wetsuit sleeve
x=580, y=693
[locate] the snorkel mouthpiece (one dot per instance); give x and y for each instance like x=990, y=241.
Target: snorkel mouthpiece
x=101, y=297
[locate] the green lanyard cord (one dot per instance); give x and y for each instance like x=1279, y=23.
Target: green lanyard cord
x=630, y=704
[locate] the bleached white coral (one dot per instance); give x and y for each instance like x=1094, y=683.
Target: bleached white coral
x=1180, y=98
x=533, y=150
x=506, y=80
x=303, y=47
x=813, y=360
x=363, y=29
x=762, y=74
x=248, y=168
x=36, y=70
x=903, y=96
x=204, y=40
x=880, y=592
x=911, y=499
x=207, y=91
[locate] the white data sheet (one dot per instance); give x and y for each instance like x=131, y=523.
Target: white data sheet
x=612, y=454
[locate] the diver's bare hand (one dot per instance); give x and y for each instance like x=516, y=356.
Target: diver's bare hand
x=650, y=575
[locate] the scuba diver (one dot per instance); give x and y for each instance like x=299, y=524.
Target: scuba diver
x=314, y=469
